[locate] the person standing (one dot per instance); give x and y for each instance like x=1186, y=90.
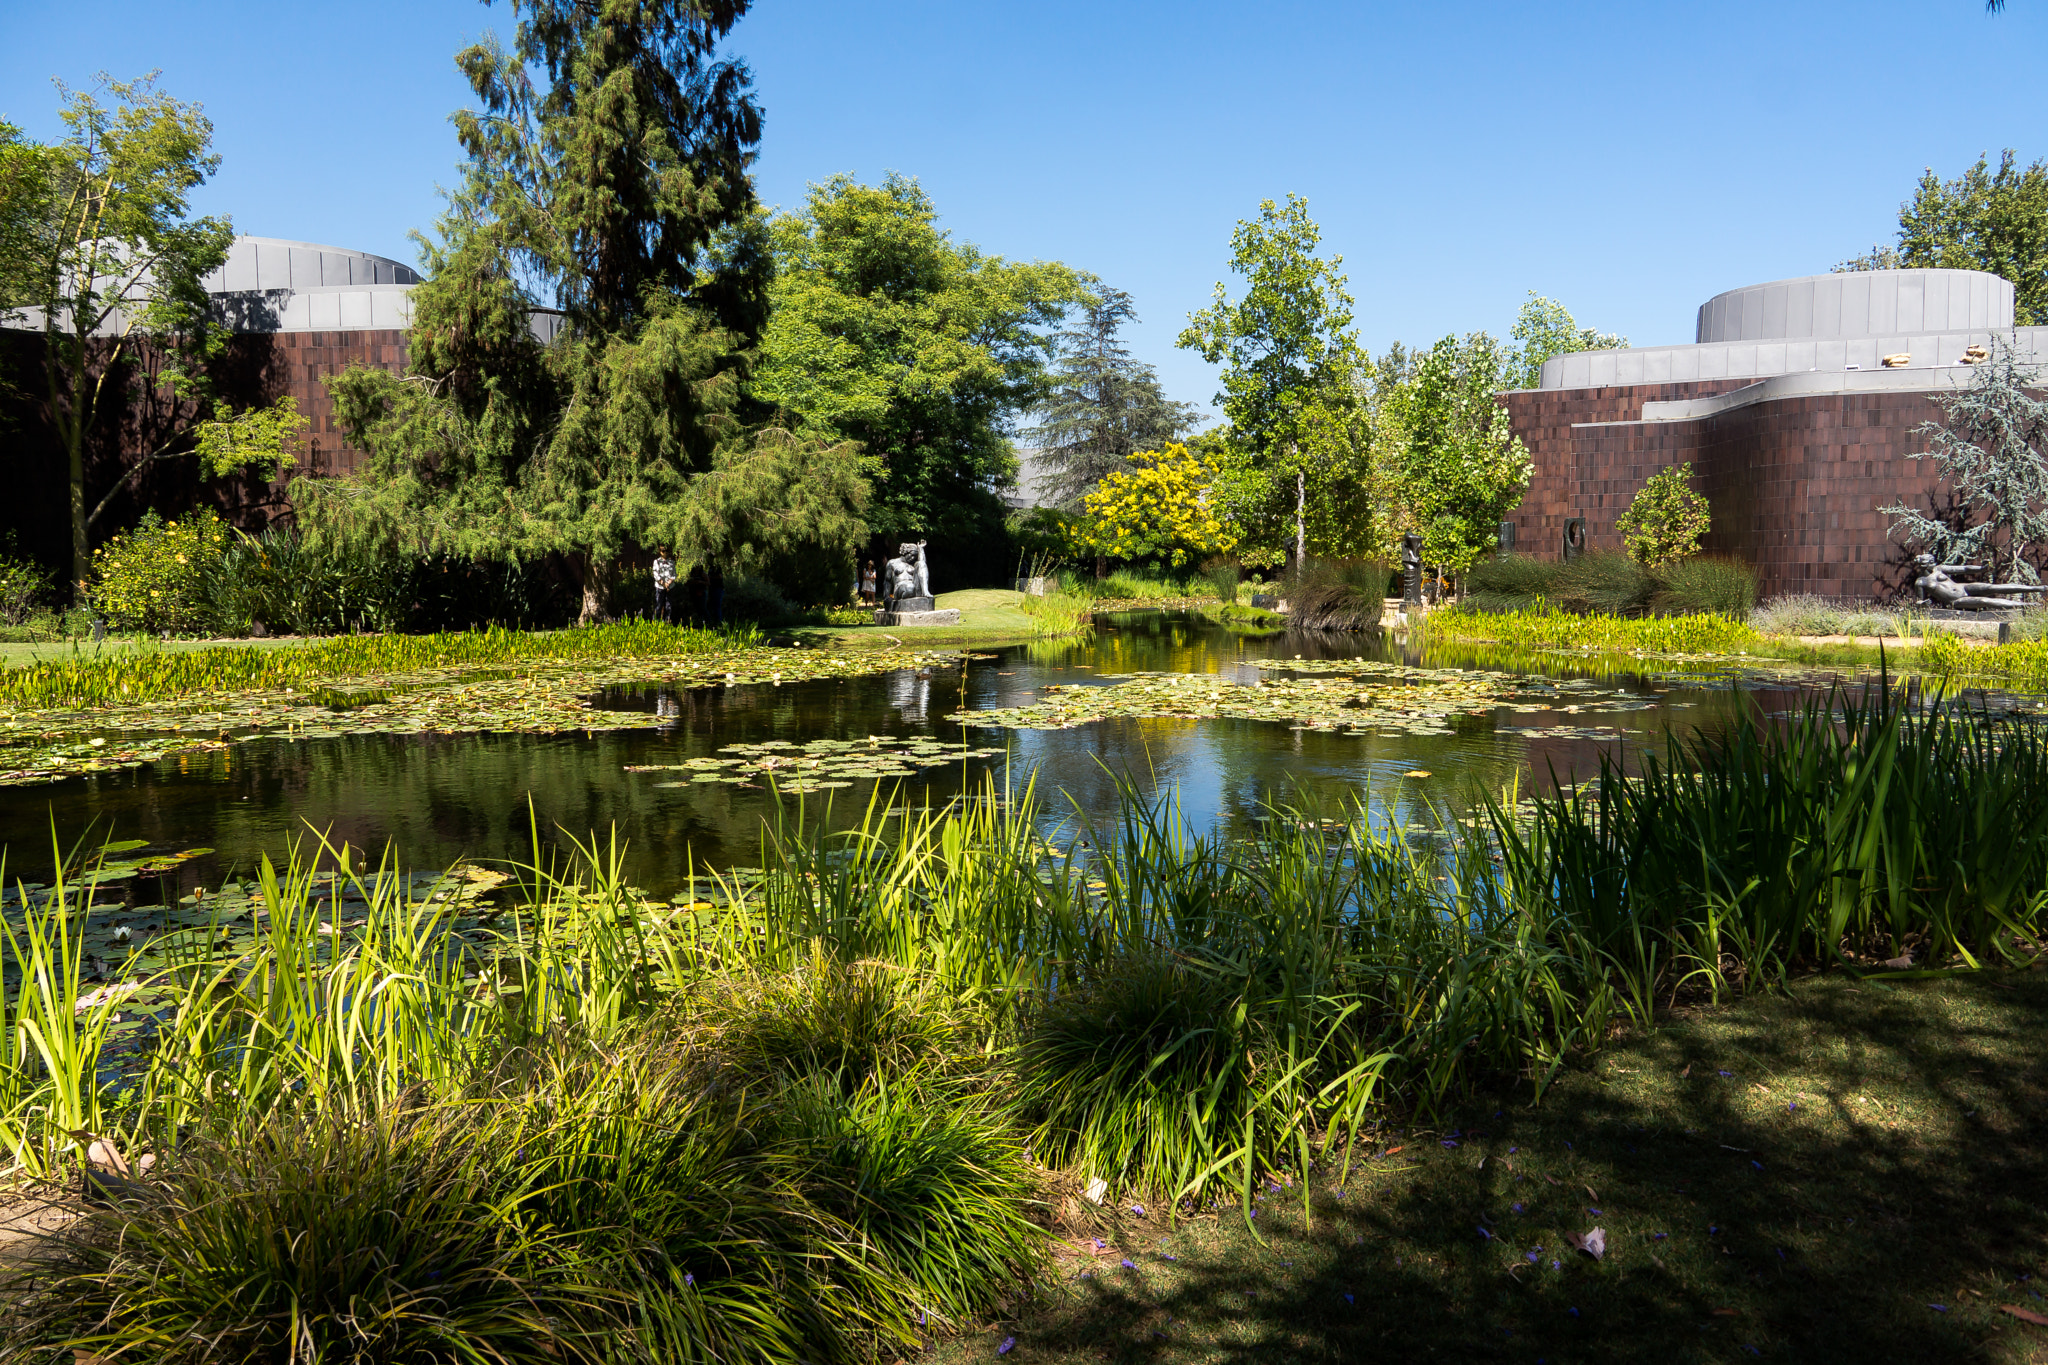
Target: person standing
x=664, y=583
x=867, y=584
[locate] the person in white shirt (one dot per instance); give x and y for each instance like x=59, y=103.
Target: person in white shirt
x=664, y=580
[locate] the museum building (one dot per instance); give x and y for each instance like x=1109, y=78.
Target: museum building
x=1796, y=405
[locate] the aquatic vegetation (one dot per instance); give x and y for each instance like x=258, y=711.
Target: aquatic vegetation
x=544, y=696
x=1356, y=695
x=1701, y=634
x=820, y=765
x=127, y=676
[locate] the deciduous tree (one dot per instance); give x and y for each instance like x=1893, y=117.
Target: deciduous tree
x=888, y=333
x=1545, y=328
x=98, y=246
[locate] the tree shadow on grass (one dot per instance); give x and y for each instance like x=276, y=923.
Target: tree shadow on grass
x=1848, y=1173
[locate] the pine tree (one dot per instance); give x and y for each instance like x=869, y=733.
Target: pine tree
x=1105, y=406
x=1989, y=452
x=607, y=178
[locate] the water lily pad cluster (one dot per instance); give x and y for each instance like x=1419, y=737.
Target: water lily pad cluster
x=40, y=746
x=1347, y=695
x=820, y=765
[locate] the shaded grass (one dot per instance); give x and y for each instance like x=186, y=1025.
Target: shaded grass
x=1874, y=1149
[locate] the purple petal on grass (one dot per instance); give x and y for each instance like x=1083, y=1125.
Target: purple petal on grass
x=1487, y=1235
x=1349, y=1299
x=688, y=1279
x=1938, y=1307
x=1758, y=1164
x=1727, y=1073
x=1129, y=1264
x=1513, y=1150
x=1009, y=1345
x=1557, y=1265
x=1594, y=1212
x=1517, y=1208
x=1659, y=1236
x=1164, y=1257
x=1532, y=1257
x=1138, y=1209
x=1573, y=1311
x=1449, y=1143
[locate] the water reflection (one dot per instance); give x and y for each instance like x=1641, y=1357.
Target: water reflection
x=440, y=797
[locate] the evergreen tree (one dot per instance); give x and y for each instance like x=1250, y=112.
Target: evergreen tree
x=1105, y=406
x=1989, y=452
x=607, y=177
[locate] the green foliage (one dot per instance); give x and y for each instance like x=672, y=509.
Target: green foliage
x=1545, y=329
x=619, y=188
x=1337, y=594
x=748, y=598
x=1666, y=518
x=258, y=438
x=888, y=334
x=1545, y=626
x=99, y=237
x=24, y=586
x=1705, y=583
x=1463, y=467
x=1104, y=406
x=1988, y=451
x=1982, y=220
x=1288, y=354
x=153, y=578
x=1513, y=576
x=129, y=677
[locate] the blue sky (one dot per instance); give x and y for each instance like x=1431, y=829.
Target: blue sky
x=1628, y=159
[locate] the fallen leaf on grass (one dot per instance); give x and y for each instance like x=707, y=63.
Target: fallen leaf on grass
x=1726, y=1313
x=1594, y=1243
x=1552, y=1179
x=2024, y=1314
x=1591, y=1193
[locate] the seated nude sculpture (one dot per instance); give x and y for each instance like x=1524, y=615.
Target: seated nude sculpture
x=907, y=575
x=1936, y=586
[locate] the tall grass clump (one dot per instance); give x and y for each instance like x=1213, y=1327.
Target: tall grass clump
x=124, y=677
x=1704, y=583
x=1337, y=594
x=1058, y=613
x=1804, y=614
x=1869, y=831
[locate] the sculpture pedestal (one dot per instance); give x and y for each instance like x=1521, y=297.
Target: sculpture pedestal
x=949, y=617
x=911, y=604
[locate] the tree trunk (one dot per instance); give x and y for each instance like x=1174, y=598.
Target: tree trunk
x=590, y=579
x=1300, y=519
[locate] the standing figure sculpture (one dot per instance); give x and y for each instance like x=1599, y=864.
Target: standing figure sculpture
x=1936, y=586
x=1411, y=570
x=907, y=580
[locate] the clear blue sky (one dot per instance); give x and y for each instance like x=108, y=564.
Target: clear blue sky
x=1628, y=159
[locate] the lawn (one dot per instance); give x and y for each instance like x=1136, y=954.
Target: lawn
x=987, y=616
x=1846, y=1173
x=60, y=651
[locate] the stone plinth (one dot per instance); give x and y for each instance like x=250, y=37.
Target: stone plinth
x=911, y=604
x=949, y=617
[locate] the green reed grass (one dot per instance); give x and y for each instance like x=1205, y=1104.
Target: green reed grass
x=127, y=676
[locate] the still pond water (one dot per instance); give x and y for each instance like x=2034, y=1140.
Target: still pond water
x=440, y=798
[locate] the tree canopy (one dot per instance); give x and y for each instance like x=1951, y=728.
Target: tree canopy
x=1105, y=406
x=1289, y=358
x=888, y=333
x=99, y=247
x=606, y=178
x=1983, y=219
x=1545, y=328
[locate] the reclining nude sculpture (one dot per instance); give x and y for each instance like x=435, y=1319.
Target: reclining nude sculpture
x=1934, y=584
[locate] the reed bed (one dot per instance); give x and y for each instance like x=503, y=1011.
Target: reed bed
x=820, y=1109
x=126, y=676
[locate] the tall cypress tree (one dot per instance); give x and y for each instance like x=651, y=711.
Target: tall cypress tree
x=1105, y=406
x=606, y=182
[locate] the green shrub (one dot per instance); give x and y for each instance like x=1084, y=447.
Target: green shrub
x=1665, y=519
x=1223, y=581
x=153, y=577
x=748, y=598
x=292, y=586
x=25, y=588
x=1705, y=583
x=1336, y=594
x=1513, y=576
x=1604, y=581
x=935, y=1184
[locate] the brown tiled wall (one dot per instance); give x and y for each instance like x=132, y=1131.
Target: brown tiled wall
x=1794, y=485
x=302, y=358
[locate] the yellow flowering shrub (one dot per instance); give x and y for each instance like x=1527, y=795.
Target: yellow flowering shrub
x=1159, y=507
x=150, y=578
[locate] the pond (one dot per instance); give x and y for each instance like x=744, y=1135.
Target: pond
x=1231, y=722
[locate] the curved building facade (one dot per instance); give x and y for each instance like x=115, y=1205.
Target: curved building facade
x=1796, y=425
